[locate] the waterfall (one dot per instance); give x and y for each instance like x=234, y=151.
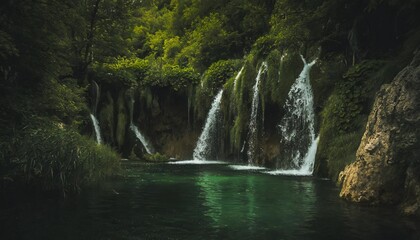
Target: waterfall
x=203, y=150
x=147, y=145
x=95, y=93
x=235, y=83
x=97, y=128
x=143, y=140
x=297, y=127
x=253, y=125
x=281, y=67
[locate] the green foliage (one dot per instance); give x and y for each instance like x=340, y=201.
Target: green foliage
x=60, y=101
x=240, y=101
x=54, y=157
x=283, y=69
x=324, y=77
x=46, y=50
x=345, y=114
x=174, y=76
x=213, y=80
x=244, y=85
x=218, y=73
x=127, y=72
x=341, y=150
x=197, y=33
x=264, y=45
x=289, y=22
x=171, y=46
x=349, y=100
x=207, y=43
x=63, y=100
x=135, y=72
x=237, y=132
x=270, y=87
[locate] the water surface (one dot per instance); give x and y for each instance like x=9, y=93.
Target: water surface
x=202, y=202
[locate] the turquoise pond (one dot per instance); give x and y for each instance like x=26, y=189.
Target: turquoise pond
x=202, y=202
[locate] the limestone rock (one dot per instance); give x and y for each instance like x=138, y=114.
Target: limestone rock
x=387, y=166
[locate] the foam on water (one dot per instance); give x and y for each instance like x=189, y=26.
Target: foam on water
x=246, y=167
x=291, y=172
x=196, y=161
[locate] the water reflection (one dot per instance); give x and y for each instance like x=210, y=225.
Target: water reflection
x=202, y=202
x=229, y=200
x=255, y=203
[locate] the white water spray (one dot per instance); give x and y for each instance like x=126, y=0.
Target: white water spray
x=298, y=127
x=143, y=140
x=235, y=83
x=147, y=145
x=97, y=129
x=95, y=122
x=253, y=125
x=206, y=140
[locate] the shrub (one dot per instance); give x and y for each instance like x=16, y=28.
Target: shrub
x=137, y=72
x=125, y=71
x=214, y=79
x=345, y=114
x=264, y=45
x=179, y=78
x=63, y=100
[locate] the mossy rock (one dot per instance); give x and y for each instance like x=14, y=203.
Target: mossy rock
x=121, y=120
x=106, y=119
x=156, y=157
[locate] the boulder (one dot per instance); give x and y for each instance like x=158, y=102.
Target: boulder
x=386, y=170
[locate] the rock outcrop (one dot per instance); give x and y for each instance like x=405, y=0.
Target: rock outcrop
x=387, y=166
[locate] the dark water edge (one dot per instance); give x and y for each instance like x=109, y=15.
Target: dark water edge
x=162, y=201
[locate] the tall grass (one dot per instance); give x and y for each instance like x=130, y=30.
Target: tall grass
x=56, y=158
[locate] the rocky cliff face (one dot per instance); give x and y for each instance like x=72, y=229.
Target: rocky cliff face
x=161, y=115
x=387, y=166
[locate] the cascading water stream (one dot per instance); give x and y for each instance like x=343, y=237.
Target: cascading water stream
x=205, y=143
x=253, y=126
x=143, y=140
x=96, y=94
x=97, y=129
x=298, y=128
x=147, y=145
x=235, y=83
